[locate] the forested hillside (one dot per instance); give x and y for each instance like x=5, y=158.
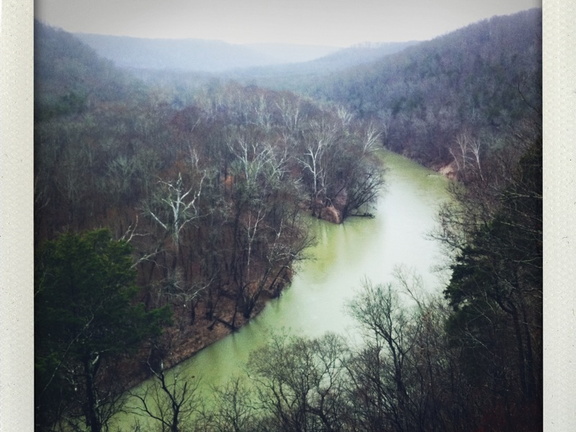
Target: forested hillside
x=70, y=78
x=297, y=76
x=466, y=88
x=209, y=197
x=169, y=209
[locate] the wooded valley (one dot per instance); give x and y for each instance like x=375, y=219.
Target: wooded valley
x=171, y=205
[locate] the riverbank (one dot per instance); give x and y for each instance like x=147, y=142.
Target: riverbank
x=342, y=258
x=182, y=340
x=179, y=342
x=407, y=178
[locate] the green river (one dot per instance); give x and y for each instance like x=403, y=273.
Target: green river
x=343, y=257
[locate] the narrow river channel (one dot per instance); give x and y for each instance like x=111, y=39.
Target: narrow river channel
x=342, y=258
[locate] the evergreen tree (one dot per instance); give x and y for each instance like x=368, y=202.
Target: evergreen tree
x=84, y=318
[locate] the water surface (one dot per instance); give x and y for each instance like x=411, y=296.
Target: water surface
x=342, y=258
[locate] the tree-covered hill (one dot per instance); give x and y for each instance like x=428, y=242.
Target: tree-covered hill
x=475, y=82
x=209, y=195
x=69, y=76
x=433, y=101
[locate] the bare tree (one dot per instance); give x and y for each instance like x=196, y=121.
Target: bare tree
x=234, y=409
x=168, y=400
x=344, y=116
x=177, y=206
x=318, y=147
x=300, y=382
x=467, y=154
x=290, y=112
x=389, y=336
x=370, y=139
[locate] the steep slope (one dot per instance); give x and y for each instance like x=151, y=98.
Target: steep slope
x=69, y=76
x=362, y=53
x=480, y=80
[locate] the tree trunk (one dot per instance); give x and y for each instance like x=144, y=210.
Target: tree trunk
x=91, y=408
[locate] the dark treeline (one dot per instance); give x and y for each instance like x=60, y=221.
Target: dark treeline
x=209, y=195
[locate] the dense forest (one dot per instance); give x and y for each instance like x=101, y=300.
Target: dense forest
x=169, y=208
x=473, y=84
x=209, y=196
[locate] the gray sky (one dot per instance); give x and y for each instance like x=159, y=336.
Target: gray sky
x=315, y=22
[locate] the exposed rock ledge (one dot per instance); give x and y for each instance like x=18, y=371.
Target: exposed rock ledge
x=449, y=170
x=331, y=214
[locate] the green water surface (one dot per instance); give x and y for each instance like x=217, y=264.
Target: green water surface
x=343, y=256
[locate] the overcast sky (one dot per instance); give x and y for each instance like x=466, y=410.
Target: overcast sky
x=315, y=22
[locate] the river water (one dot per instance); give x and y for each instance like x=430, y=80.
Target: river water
x=343, y=257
